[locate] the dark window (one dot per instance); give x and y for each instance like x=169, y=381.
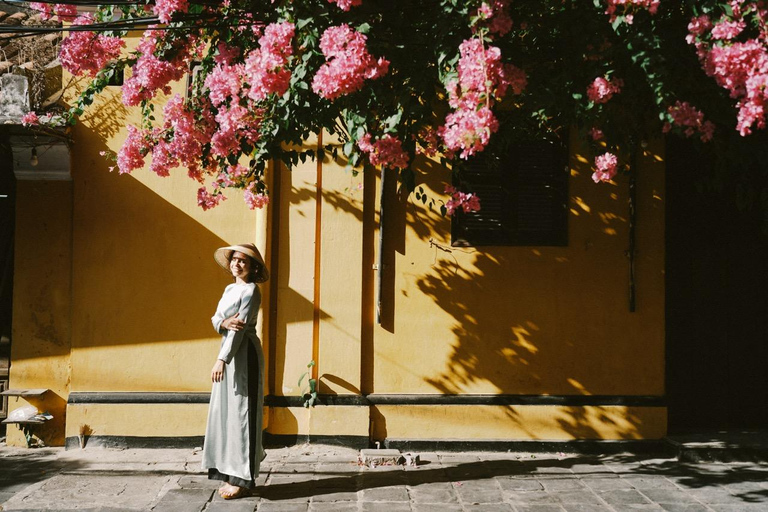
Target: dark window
x=523, y=197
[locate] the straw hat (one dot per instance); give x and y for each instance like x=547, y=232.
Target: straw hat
x=223, y=255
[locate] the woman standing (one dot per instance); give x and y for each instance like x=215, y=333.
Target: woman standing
x=232, y=451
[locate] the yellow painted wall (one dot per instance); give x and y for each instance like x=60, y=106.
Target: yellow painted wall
x=42, y=303
x=510, y=320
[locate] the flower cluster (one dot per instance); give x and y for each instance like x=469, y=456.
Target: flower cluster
x=206, y=200
x=348, y=63
x=65, y=12
x=386, y=152
x=627, y=8
x=153, y=72
x=739, y=66
x=601, y=89
x=346, y=5
x=685, y=115
x=265, y=68
x=605, y=167
x=482, y=78
x=30, y=119
x=494, y=14
x=88, y=52
x=165, y=9
x=255, y=199
x=468, y=203
x=134, y=149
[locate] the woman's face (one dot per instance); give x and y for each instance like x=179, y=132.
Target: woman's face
x=240, y=265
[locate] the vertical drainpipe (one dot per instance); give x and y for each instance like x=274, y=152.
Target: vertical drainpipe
x=632, y=222
x=380, y=258
x=318, y=233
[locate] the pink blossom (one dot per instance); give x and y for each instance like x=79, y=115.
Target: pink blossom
x=224, y=82
x=134, y=149
x=697, y=27
x=627, y=8
x=345, y=5
x=601, y=89
x=65, y=12
x=468, y=130
x=348, y=63
x=226, y=54
x=427, y=142
x=683, y=114
x=596, y=133
x=87, y=52
x=165, y=9
x=152, y=73
x=162, y=159
x=30, y=119
x=606, y=165
x=728, y=29
x=266, y=68
x=496, y=17
x=467, y=202
x=386, y=152
x=206, y=200
x=255, y=199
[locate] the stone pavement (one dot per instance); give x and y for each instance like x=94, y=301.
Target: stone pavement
x=320, y=478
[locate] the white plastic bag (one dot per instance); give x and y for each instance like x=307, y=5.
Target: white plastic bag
x=23, y=413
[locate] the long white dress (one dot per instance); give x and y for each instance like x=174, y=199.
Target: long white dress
x=233, y=451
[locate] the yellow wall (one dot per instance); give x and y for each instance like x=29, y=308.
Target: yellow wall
x=131, y=284
x=42, y=303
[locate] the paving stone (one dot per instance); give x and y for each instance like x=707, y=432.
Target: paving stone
x=488, y=507
x=231, y=506
x=607, y=483
x=267, y=506
x=742, y=507
x=668, y=496
x=584, y=507
x=684, y=507
x=335, y=506
x=391, y=493
x=178, y=506
x=198, y=482
x=334, y=496
x=470, y=496
x=519, y=484
x=539, y=508
x=436, y=507
x=559, y=484
x=188, y=495
x=577, y=496
x=384, y=506
x=623, y=497
x=432, y=495
x=648, y=482
x=530, y=497
x=5, y=496
x=484, y=484
x=713, y=495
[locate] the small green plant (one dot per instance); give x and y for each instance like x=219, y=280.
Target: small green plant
x=309, y=393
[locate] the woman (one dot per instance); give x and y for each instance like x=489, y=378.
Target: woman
x=232, y=451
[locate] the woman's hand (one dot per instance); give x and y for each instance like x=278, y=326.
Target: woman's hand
x=217, y=373
x=233, y=323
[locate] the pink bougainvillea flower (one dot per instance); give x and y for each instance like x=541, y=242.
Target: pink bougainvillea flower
x=596, y=133
x=691, y=119
x=30, y=119
x=165, y=9
x=266, y=67
x=206, y=200
x=255, y=199
x=86, y=52
x=65, y=12
x=134, y=149
x=345, y=5
x=468, y=203
x=348, y=63
x=601, y=89
x=627, y=8
x=606, y=166
x=386, y=151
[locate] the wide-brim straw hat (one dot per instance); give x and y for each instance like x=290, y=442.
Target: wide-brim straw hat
x=224, y=254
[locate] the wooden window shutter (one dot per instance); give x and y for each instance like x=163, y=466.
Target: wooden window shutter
x=523, y=198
